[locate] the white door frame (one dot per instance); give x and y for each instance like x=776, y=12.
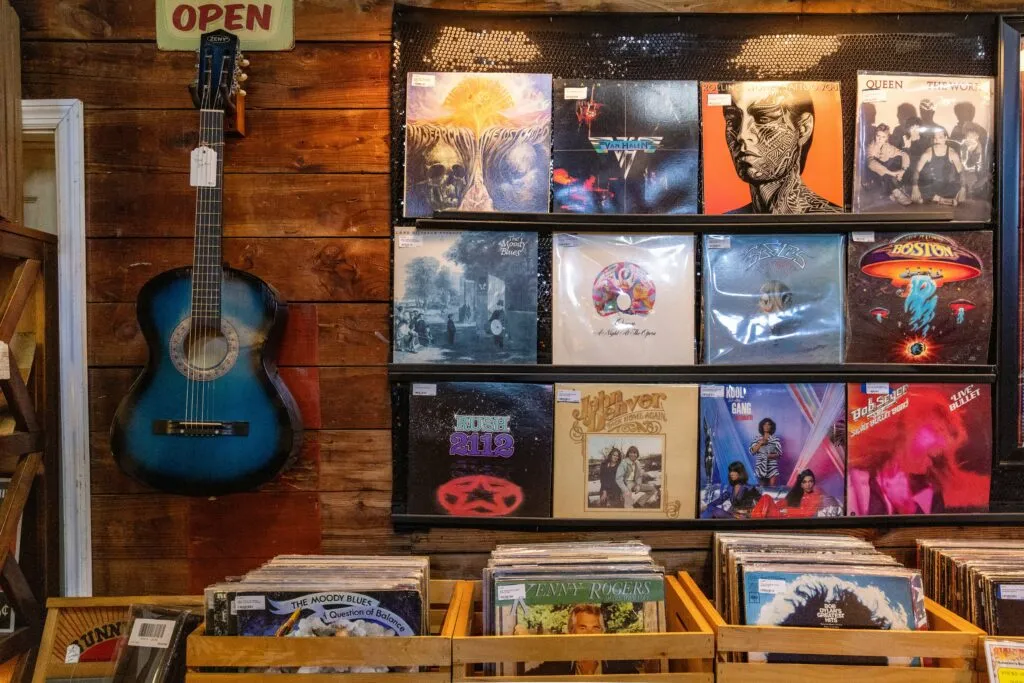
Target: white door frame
x=63, y=118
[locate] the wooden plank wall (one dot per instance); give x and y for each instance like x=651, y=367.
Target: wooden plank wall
x=307, y=210
x=11, y=174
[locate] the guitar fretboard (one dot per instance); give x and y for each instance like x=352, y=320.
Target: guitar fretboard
x=207, y=259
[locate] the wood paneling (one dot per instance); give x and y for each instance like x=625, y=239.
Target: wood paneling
x=254, y=524
x=11, y=171
x=355, y=461
x=140, y=576
x=145, y=527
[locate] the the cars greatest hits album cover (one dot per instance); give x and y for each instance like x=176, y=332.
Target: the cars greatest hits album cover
x=625, y=147
x=773, y=298
x=918, y=448
x=480, y=449
x=919, y=297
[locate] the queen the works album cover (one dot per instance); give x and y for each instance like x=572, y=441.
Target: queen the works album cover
x=625, y=147
x=480, y=449
x=919, y=298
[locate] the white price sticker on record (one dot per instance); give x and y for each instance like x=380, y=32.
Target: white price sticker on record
x=409, y=239
x=250, y=602
x=567, y=240
x=863, y=237
x=771, y=586
x=424, y=390
x=873, y=95
x=712, y=391
x=151, y=633
x=571, y=93
x=880, y=388
x=567, y=396
x=719, y=99
x=719, y=241
x=1011, y=591
x=422, y=80
x=514, y=592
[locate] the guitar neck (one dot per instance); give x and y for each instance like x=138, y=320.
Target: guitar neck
x=207, y=257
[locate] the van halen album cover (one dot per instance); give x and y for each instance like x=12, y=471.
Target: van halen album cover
x=480, y=449
x=625, y=147
x=772, y=147
x=477, y=142
x=918, y=448
x=772, y=450
x=924, y=143
x=625, y=451
x=773, y=298
x=919, y=297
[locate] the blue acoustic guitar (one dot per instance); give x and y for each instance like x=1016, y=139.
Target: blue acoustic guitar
x=209, y=413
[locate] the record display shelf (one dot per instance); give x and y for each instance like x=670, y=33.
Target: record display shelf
x=688, y=645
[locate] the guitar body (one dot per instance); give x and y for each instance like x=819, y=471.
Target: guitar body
x=209, y=413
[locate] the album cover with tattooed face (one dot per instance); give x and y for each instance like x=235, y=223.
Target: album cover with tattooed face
x=772, y=147
x=773, y=299
x=625, y=147
x=480, y=449
x=477, y=142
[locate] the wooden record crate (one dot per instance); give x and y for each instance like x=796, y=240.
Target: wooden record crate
x=688, y=645
x=432, y=654
x=951, y=644
x=983, y=661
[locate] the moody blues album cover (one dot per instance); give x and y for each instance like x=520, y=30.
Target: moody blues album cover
x=480, y=449
x=924, y=143
x=625, y=147
x=918, y=448
x=919, y=298
x=772, y=147
x=773, y=298
x=772, y=450
x=465, y=297
x=625, y=451
x=477, y=142
x=623, y=300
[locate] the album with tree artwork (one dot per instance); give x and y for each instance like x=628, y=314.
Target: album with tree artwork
x=919, y=298
x=625, y=147
x=465, y=297
x=479, y=449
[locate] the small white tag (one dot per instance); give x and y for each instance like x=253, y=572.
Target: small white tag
x=572, y=93
x=567, y=240
x=771, y=586
x=719, y=99
x=408, y=239
x=1014, y=591
x=712, y=391
x=567, y=396
x=422, y=80
x=424, y=390
x=5, y=361
x=719, y=241
x=203, y=172
x=874, y=95
x=514, y=592
x=863, y=237
x=250, y=602
x=876, y=388
x=151, y=633
x=72, y=654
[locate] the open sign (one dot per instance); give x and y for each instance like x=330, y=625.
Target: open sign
x=260, y=24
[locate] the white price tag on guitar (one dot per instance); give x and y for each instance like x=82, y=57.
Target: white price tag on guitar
x=203, y=172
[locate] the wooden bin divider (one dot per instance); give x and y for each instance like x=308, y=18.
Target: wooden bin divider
x=952, y=641
x=688, y=645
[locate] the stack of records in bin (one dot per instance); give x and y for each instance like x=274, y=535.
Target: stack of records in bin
x=817, y=581
x=324, y=596
x=574, y=588
x=981, y=580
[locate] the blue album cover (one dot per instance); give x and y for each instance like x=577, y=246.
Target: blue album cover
x=773, y=298
x=326, y=613
x=772, y=450
x=625, y=147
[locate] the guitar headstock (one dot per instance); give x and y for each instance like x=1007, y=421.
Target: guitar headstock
x=219, y=72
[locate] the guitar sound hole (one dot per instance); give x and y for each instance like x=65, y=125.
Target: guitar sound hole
x=206, y=349
x=205, y=354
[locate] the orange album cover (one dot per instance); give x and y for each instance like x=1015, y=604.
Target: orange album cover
x=772, y=147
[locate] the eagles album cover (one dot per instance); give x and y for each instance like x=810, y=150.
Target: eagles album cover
x=924, y=143
x=625, y=451
x=772, y=450
x=480, y=449
x=772, y=147
x=773, y=298
x=623, y=300
x=918, y=448
x=465, y=297
x=477, y=142
x=919, y=298
x=625, y=147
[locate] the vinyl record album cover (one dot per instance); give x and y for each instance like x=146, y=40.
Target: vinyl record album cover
x=924, y=143
x=477, y=142
x=480, y=449
x=918, y=448
x=625, y=147
x=772, y=450
x=465, y=297
x=773, y=298
x=623, y=300
x=772, y=147
x=625, y=451
x=1008, y=608
x=919, y=297
x=324, y=613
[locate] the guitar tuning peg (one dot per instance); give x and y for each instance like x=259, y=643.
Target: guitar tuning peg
x=244, y=63
x=243, y=77
x=241, y=92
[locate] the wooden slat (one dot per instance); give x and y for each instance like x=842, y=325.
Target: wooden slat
x=589, y=646
x=19, y=399
x=13, y=504
x=393, y=677
x=360, y=523
x=121, y=204
x=139, y=576
x=147, y=526
x=278, y=141
x=398, y=651
x=787, y=673
x=137, y=75
x=853, y=642
x=18, y=291
x=254, y=524
x=355, y=461
x=126, y=600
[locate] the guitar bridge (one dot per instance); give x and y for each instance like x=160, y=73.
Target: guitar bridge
x=199, y=428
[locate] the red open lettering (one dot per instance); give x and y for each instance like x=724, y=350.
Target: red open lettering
x=209, y=14
x=184, y=17
x=258, y=16
x=233, y=17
